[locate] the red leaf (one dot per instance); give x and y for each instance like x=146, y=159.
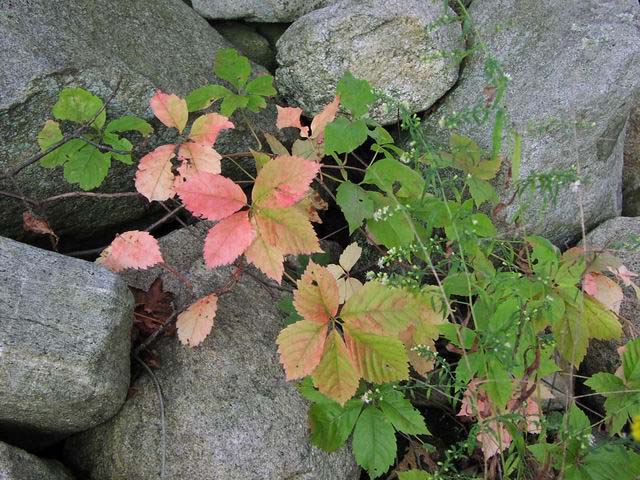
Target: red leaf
x=213, y=197
x=300, y=346
x=196, y=322
x=228, y=239
x=320, y=121
x=589, y=284
x=154, y=178
x=132, y=249
x=283, y=181
x=198, y=157
x=205, y=129
x=267, y=258
x=290, y=117
x=316, y=297
x=39, y=225
x=170, y=110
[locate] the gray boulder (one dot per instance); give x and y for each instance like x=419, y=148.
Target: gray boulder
x=16, y=464
x=631, y=170
x=64, y=344
x=386, y=42
x=621, y=236
x=228, y=411
x=575, y=67
x=46, y=46
x=246, y=38
x=257, y=10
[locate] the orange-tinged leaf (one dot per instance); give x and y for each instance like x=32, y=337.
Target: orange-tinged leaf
x=213, y=197
x=196, y=322
x=288, y=230
x=154, y=178
x=290, y=117
x=310, y=204
x=205, y=129
x=378, y=358
x=268, y=259
x=283, y=181
x=605, y=290
x=336, y=376
x=316, y=298
x=377, y=307
x=132, y=249
x=228, y=239
x=170, y=109
x=412, y=338
x=320, y=121
x=300, y=346
x=198, y=157
x=39, y=225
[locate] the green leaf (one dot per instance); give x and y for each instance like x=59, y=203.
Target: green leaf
x=516, y=156
x=604, y=383
x=62, y=154
x=414, y=475
x=612, y=462
x=255, y=103
x=343, y=136
x=482, y=225
x=118, y=143
x=262, y=85
x=380, y=359
x=374, y=442
x=481, y=191
x=49, y=135
x=393, y=229
x=355, y=204
x=80, y=106
x=307, y=390
x=332, y=424
x=88, y=167
x=496, y=137
x=129, y=123
x=631, y=361
x=572, y=338
x=387, y=173
x=232, y=67
x=285, y=305
x=459, y=283
x=231, y=103
x=355, y=95
x=203, y=97
x=499, y=384
x=276, y=146
x=399, y=411
x=381, y=136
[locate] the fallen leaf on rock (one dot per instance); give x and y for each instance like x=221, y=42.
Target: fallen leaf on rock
x=35, y=224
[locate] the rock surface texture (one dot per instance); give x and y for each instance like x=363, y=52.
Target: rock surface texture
x=575, y=68
x=631, y=170
x=16, y=464
x=621, y=234
x=386, y=42
x=257, y=10
x=229, y=412
x=64, y=344
x=46, y=46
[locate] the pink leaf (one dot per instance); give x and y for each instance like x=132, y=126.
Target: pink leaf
x=493, y=438
x=625, y=275
x=213, y=197
x=205, y=129
x=228, y=239
x=132, y=249
x=154, y=178
x=290, y=117
x=198, y=157
x=589, y=284
x=283, y=181
x=196, y=322
x=320, y=121
x=170, y=110
x=267, y=258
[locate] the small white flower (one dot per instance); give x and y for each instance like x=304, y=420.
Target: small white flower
x=575, y=186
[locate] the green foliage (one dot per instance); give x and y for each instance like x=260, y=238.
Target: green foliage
x=86, y=152
x=235, y=69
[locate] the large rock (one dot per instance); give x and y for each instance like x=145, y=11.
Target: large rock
x=575, y=67
x=257, y=10
x=246, y=38
x=16, y=464
x=621, y=236
x=386, y=42
x=631, y=170
x=46, y=46
x=228, y=411
x=64, y=344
